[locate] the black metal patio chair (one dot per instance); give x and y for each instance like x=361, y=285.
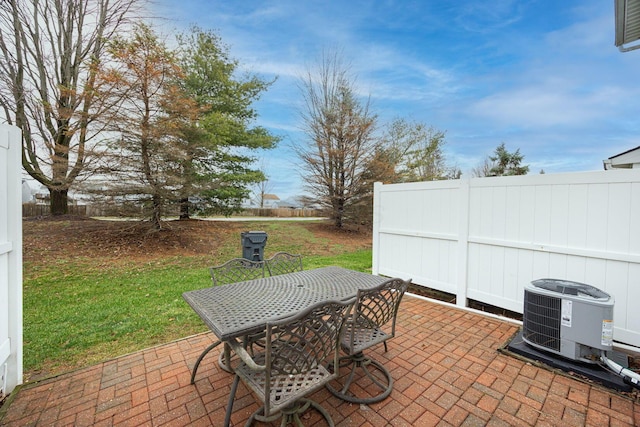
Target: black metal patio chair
x=292, y=365
x=372, y=322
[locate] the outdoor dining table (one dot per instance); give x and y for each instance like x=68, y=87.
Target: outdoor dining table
x=237, y=309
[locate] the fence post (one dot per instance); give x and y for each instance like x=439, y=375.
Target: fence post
x=463, y=242
x=375, y=242
x=11, y=325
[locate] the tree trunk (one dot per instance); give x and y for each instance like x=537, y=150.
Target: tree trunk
x=59, y=202
x=184, y=208
x=338, y=213
x=156, y=214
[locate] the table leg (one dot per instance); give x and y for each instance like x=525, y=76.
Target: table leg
x=224, y=360
x=204, y=353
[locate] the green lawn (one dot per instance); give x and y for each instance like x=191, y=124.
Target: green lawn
x=80, y=311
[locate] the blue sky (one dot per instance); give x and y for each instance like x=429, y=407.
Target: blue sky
x=541, y=76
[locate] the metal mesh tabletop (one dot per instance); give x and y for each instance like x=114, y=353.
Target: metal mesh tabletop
x=239, y=308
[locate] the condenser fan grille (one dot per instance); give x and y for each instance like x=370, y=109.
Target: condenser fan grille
x=541, y=321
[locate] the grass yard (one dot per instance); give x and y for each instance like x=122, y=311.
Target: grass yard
x=94, y=289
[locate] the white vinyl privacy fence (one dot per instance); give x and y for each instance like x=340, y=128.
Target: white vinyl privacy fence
x=485, y=238
x=10, y=259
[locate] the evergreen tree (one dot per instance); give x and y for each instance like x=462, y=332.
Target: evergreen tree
x=218, y=165
x=505, y=163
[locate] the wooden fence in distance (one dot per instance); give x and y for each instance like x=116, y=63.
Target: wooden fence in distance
x=283, y=212
x=34, y=210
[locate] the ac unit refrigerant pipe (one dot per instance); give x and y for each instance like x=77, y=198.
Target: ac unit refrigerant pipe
x=633, y=377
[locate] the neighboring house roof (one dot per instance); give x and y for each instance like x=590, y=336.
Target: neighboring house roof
x=270, y=197
x=27, y=194
x=627, y=24
x=629, y=159
x=288, y=204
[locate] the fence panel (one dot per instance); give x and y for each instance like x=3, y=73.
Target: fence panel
x=10, y=260
x=416, y=232
x=485, y=238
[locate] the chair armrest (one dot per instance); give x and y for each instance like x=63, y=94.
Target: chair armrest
x=239, y=349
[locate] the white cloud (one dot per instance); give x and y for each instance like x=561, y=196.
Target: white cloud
x=546, y=106
x=483, y=17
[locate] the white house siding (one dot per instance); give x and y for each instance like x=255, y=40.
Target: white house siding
x=628, y=160
x=485, y=238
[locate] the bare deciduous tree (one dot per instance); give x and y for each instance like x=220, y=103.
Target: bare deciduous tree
x=260, y=189
x=51, y=53
x=415, y=151
x=339, y=129
x=406, y=152
x=483, y=169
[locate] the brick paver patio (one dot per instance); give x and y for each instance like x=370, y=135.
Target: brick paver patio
x=445, y=361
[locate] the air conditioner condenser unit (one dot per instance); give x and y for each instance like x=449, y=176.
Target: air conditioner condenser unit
x=570, y=319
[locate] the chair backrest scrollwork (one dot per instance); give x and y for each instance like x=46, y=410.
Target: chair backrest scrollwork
x=237, y=270
x=284, y=262
x=297, y=348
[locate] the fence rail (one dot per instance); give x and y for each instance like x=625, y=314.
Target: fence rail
x=483, y=239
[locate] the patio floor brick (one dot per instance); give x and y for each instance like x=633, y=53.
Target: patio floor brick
x=445, y=362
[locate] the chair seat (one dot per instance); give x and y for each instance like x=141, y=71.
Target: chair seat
x=285, y=389
x=362, y=338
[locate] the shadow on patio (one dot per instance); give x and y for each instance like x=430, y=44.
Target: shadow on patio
x=445, y=361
